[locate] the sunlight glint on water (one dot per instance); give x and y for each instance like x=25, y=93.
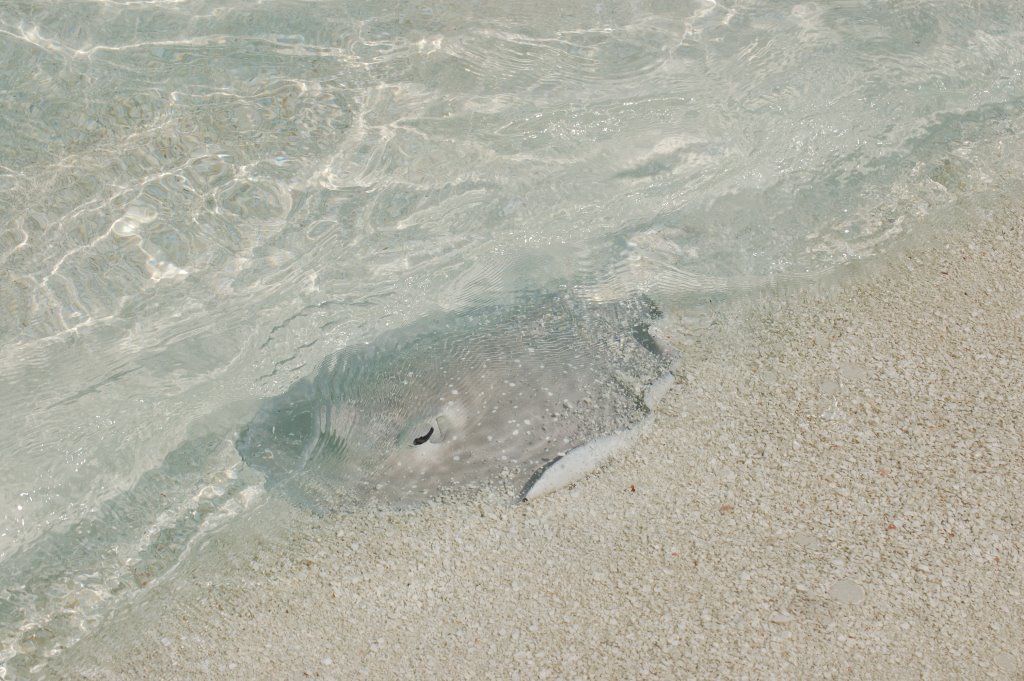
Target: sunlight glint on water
x=204, y=201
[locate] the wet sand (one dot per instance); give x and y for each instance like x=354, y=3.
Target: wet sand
x=831, y=490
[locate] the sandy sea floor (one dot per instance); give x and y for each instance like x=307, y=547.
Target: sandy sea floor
x=831, y=490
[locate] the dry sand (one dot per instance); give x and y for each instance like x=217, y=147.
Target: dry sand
x=832, y=490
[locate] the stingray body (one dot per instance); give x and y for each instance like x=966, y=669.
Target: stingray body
x=486, y=396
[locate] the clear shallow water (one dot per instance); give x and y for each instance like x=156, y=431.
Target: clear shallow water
x=203, y=202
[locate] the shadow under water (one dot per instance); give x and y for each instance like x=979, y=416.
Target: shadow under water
x=481, y=398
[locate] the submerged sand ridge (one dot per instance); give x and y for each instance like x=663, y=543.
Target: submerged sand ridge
x=831, y=490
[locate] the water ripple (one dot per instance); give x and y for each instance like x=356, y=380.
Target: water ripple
x=203, y=200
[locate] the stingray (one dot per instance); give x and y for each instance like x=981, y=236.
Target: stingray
x=489, y=396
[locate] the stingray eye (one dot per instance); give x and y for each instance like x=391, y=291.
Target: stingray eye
x=423, y=438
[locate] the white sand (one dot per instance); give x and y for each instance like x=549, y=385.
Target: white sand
x=832, y=490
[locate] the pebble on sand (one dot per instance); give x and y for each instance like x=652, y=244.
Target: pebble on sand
x=847, y=591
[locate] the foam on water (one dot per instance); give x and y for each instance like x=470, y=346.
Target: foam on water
x=211, y=207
